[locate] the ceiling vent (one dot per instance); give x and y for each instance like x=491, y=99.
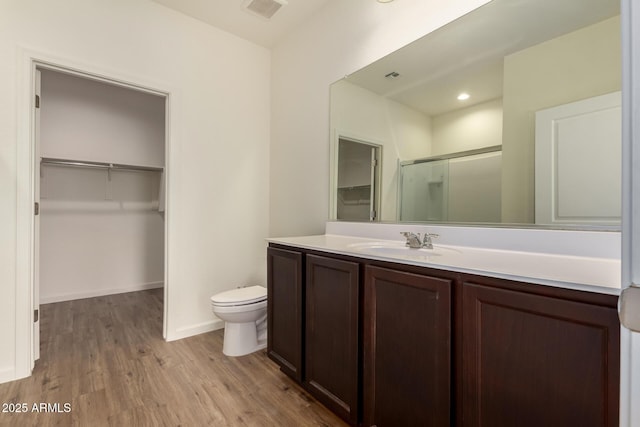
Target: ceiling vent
x=264, y=8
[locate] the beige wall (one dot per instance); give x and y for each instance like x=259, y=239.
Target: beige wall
x=575, y=66
x=470, y=128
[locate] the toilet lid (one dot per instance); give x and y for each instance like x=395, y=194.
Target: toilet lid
x=240, y=296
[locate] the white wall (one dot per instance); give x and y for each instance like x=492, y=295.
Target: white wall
x=343, y=37
x=92, y=248
x=218, y=186
x=90, y=120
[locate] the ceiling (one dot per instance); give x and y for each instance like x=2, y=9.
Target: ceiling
x=231, y=16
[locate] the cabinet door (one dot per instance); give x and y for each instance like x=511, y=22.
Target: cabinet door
x=533, y=360
x=331, y=350
x=407, y=349
x=284, y=307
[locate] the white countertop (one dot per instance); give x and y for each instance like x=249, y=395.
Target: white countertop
x=594, y=274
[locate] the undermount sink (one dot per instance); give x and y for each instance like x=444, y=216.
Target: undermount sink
x=401, y=250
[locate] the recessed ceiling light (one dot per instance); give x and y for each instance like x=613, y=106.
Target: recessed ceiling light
x=463, y=96
x=385, y=1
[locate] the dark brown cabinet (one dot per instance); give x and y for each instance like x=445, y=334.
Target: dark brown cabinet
x=386, y=344
x=407, y=349
x=537, y=360
x=284, y=310
x=331, y=334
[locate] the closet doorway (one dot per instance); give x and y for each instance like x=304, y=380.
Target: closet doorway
x=358, y=191
x=99, y=188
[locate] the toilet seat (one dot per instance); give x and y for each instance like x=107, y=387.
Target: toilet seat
x=240, y=296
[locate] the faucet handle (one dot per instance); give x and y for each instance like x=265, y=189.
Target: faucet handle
x=426, y=242
x=413, y=239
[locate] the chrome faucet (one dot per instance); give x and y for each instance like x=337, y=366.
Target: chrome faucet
x=414, y=241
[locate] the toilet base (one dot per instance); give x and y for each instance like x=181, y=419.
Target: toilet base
x=241, y=339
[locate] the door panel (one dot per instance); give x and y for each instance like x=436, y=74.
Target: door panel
x=407, y=349
x=284, y=307
x=533, y=360
x=331, y=334
x=578, y=152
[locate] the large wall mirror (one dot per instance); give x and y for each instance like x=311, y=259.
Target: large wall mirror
x=509, y=115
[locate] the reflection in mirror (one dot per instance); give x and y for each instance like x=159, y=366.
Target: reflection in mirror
x=460, y=187
x=541, y=121
x=357, y=195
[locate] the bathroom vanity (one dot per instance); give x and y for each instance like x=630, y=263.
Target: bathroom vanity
x=511, y=326
x=384, y=335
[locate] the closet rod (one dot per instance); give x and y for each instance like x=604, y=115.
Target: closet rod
x=89, y=164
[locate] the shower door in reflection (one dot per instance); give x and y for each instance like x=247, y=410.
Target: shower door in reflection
x=424, y=188
x=457, y=187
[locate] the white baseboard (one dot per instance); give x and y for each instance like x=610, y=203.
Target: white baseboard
x=98, y=293
x=189, y=331
x=7, y=374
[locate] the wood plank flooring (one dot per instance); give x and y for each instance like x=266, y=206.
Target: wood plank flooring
x=105, y=358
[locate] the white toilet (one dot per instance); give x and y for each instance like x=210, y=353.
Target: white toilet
x=244, y=311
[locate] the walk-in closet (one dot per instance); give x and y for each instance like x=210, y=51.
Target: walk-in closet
x=100, y=188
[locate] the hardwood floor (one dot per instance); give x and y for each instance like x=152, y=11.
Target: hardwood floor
x=106, y=359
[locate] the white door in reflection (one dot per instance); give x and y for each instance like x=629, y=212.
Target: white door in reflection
x=578, y=152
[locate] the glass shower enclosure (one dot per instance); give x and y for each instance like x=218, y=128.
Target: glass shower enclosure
x=460, y=187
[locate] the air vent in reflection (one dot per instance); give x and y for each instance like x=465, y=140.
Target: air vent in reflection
x=264, y=8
